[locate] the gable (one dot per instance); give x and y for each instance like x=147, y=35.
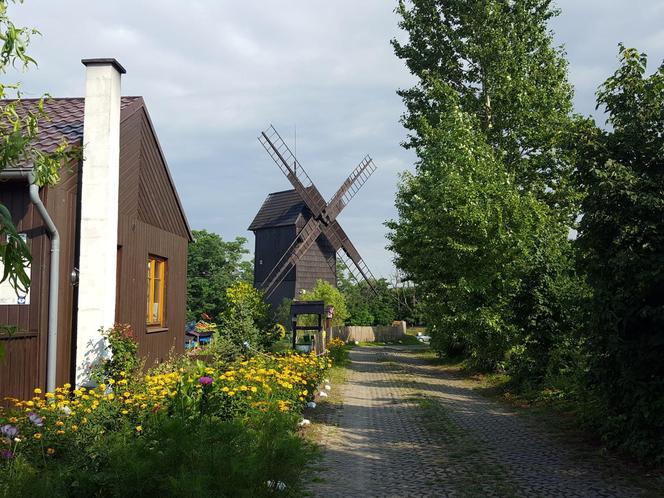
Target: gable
x=157, y=203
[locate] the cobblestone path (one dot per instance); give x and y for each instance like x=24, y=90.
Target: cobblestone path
x=409, y=429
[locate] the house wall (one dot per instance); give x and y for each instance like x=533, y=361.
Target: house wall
x=24, y=366
x=150, y=223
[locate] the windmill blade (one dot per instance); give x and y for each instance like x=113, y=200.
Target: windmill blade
x=304, y=240
x=348, y=263
x=350, y=187
x=341, y=243
x=288, y=164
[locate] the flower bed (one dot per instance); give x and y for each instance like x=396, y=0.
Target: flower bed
x=69, y=427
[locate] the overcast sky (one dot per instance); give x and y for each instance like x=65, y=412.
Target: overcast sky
x=215, y=73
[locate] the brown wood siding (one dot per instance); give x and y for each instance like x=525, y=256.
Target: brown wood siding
x=157, y=204
x=318, y=263
x=24, y=366
x=138, y=240
x=62, y=204
x=150, y=223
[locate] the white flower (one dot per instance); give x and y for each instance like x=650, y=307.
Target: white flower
x=304, y=422
x=328, y=387
x=66, y=410
x=322, y=394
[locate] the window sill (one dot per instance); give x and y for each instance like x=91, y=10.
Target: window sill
x=153, y=329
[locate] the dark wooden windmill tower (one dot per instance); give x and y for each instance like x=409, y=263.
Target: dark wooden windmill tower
x=298, y=237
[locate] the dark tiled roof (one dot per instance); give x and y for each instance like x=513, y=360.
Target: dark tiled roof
x=279, y=209
x=65, y=119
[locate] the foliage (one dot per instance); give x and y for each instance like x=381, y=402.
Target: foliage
x=19, y=126
x=214, y=265
x=499, y=59
x=246, y=318
x=364, y=306
x=233, y=426
x=621, y=240
x=483, y=221
x=123, y=349
x=338, y=352
x=331, y=296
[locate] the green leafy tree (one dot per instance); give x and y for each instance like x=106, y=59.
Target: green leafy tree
x=19, y=126
x=331, y=296
x=621, y=239
x=483, y=221
x=246, y=318
x=499, y=58
x=214, y=265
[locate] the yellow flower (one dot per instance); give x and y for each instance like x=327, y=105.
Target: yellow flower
x=139, y=428
x=60, y=432
x=37, y=435
x=74, y=427
x=13, y=420
x=254, y=389
x=111, y=397
x=124, y=412
x=37, y=390
x=50, y=451
x=111, y=381
x=67, y=385
x=49, y=395
x=231, y=393
x=59, y=423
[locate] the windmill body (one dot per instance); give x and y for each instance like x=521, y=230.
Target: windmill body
x=298, y=237
x=281, y=217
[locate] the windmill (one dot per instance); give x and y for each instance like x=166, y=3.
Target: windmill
x=298, y=237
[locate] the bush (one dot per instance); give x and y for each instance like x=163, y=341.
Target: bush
x=331, y=296
x=123, y=354
x=247, y=318
x=338, y=352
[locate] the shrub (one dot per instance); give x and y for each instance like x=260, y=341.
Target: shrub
x=337, y=351
x=123, y=349
x=247, y=318
x=331, y=296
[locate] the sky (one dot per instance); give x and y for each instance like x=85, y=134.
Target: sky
x=214, y=74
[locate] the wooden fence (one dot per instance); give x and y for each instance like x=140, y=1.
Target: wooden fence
x=370, y=334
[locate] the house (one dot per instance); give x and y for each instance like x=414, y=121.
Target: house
x=276, y=225
x=122, y=235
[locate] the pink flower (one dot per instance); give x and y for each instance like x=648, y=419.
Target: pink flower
x=206, y=381
x=6, y=454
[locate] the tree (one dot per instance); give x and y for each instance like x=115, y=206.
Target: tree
x=498, y=57
x=19, y=126
x=621, y=239
x=483, y=221
x=246, y=318
x=214, y=265
x=331, y=296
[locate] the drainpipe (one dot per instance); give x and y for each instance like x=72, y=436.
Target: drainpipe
x=54, y=280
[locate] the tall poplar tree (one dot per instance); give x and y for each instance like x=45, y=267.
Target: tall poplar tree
x=483, y=221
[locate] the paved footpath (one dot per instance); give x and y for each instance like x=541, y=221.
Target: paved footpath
x=407, y=429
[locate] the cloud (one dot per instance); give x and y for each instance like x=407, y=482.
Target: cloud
x=214, y=74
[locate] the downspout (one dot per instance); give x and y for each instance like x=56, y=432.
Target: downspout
x=53, y=284
x=54, y=279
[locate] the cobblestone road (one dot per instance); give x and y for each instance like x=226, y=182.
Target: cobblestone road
x=409, y=429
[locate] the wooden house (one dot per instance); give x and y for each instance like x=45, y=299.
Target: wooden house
x=123, y=238
x=276, y=225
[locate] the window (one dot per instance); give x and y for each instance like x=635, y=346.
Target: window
x=156, y=291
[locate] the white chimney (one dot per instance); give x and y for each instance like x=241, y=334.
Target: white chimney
x=99, y=211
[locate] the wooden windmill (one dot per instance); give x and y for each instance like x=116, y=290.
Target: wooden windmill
x=298, y=237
